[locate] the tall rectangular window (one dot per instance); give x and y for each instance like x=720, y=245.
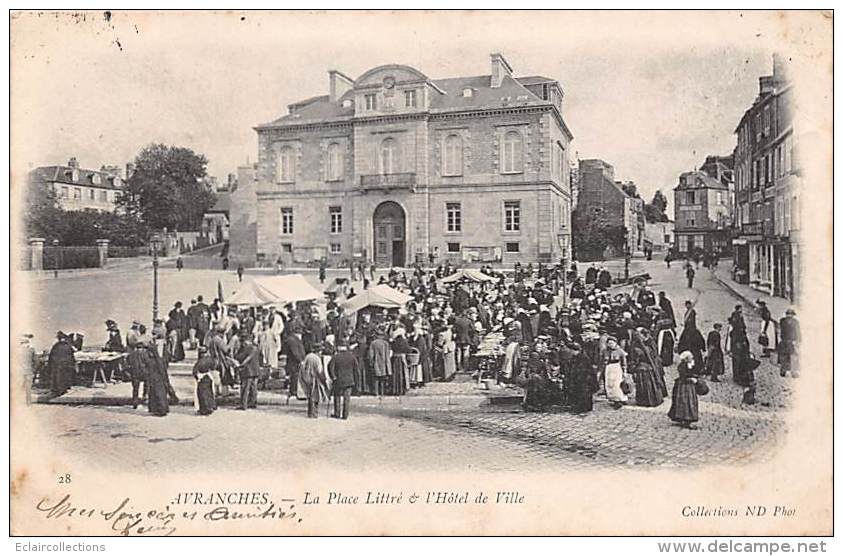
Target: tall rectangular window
x=767, y=120
x=336, y=219
x=453, y=217
x=286, y=170
x=691, y=197
x=683, y=242
x=410, y=99
x=788, y=154
x=371, y=102
x=512, y=216
x=334, y=166
x=77, y=193
x=512, y=153
x=65, y=192
x=287, y=220
x=92, y=194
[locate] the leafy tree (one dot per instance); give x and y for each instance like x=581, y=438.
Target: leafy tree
x=42, y=215
x=168, y=188
x=86, y=226
x=593, y=232
x=656, y=210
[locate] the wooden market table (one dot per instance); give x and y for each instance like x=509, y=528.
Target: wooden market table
x=98, y=360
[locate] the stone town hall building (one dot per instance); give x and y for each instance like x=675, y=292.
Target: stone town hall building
x=395, y=166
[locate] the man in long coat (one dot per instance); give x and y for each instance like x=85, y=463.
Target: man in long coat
x=293, y=348
x=343, y=370
x=313, y=381
x=789, y=344
x=379, y=362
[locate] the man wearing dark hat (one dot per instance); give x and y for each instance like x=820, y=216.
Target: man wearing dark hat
x=343, y=368
x=249, y=358
x=293, y=348
x=115, y=341
x=132, y=335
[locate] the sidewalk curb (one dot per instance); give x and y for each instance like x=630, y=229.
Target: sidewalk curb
x=737, y=294
x=464, y=400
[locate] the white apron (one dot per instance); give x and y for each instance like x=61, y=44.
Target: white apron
x=614, y=378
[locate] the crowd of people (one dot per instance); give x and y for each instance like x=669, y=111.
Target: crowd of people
x=563, y=348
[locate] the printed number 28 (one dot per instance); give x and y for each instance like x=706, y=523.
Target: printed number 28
x=64, y=479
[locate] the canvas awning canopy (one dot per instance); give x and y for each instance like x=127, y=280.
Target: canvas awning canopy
x=469, y=275
x=377, y=296
x=274, y=290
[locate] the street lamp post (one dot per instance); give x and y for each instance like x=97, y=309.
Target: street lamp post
x=155, y=242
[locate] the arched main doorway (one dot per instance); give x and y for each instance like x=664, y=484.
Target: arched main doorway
x=390, y=239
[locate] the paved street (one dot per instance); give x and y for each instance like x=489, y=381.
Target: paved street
x=493, y=438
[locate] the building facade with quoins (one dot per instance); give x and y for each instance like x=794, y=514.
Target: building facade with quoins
x=395, y=167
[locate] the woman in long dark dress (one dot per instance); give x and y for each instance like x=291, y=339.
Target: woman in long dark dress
x=739, y=348
x=400, y=372
x=652, y=349
x=61, y=365
x=665, y=339
x=580, y=378
x=691, y=338
x=714, y=366
x=647, y=390
x=421, y=342
x=158, y=402
x=684, y=407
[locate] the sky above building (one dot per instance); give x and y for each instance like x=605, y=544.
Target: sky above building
x=650, y=93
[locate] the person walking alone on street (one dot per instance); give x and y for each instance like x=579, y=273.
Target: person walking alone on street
x=343, y=368
x=240, y=271
x=322, y=271
x=689, y=274
x=789, y=344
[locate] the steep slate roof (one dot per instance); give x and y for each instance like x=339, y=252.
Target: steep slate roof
x=64, y=174
x=320, y=109
x=708, y=182
x=484, y=96
x=534, y=80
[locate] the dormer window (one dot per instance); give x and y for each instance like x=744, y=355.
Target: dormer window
x=96, y=179
x=468, y=92
x=117, y=182
x=371, y=102
x=410, y=98
x=74, y=175
x=347, y=103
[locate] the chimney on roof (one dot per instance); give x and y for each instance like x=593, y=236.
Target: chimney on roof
x=339, y=84
x=111, y=170
x=500, y=69
x=73, y=163
x=765, y=84
x=779, y=68
x=130, y=170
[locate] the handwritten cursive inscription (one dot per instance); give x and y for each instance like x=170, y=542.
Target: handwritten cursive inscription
x=126, y=520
